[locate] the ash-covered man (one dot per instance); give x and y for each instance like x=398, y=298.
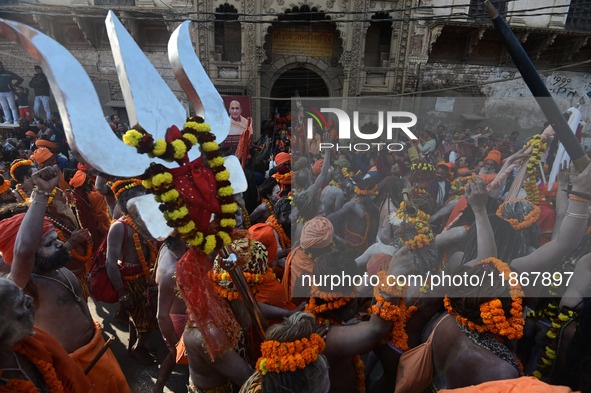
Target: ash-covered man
x=30, y=244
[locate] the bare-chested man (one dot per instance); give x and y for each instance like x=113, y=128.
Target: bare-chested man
x=130, y=249
x=38, y=260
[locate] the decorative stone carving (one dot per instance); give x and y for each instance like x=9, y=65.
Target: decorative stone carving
x=87, y=30
x=203, y=34
x=45, y=25
x=435, y=33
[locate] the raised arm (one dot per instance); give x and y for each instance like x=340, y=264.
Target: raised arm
x=563, y=180
x=477, y=196
x=571, y=232
x=30, y=233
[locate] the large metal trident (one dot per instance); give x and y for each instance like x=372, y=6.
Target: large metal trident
x=148, y=100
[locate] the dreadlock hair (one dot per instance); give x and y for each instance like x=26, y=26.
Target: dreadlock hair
x=297, y=326
x=425, y=203
x=307, y=205
x=282, y=206
x=425, y=258
x=391, y=187
x=467, y=298
x=422, y=173
x=509, y=246
x=518, y=210
x=127, y=194
x=12, y=209
x=21, y=171
x=266, y=188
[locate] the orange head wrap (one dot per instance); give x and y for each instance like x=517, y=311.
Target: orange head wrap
x=282, y=158
x=44, y=143
x=8, y=230
x=317, y=167
x=41, y=155
x=78, y=179
x=317, y=233
x=494, y=155
x=266, y=235
x=31, y=134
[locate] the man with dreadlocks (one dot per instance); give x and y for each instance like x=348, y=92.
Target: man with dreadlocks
x=6, y=194
x=130, y=258
x=357, y=220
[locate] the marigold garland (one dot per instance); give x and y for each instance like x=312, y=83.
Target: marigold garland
x=281, y=357
x=458, y=186
x=373, y=191
x=255, y=282
x=547, y=359
x=419, y=216
x=5, y=186
x=539, y=147
x=45, y=368
x=269, y=206
x=158, y=181
x=531, y=218
x=423, y=238
x=336, y=184
x=492, y=313
x=422, y=166
x=246, y=216
x=18, y=164
x=284, y=240
x=121, y=185
x=73, y=251
x=140, y=253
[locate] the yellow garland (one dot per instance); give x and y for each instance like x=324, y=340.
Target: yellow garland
x=5, y=186
x=18, y=164
x=420, y=216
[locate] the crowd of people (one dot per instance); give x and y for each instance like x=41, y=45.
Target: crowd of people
x=473, y=203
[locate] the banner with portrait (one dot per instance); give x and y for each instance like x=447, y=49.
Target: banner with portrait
x=239, y=109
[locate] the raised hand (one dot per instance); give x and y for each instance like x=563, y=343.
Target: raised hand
x=47, y=178
x=476, y=194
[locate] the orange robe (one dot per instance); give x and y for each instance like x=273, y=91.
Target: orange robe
x=296, y=264
x=521, y=385
x=106, y=375
x=45, y=347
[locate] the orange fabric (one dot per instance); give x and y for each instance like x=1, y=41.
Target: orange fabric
x=41, y=155
x=44, y=143
x=43, y=345
x=181, y=351
x=266, y=235
x=463, y=170
x=317, y=167
x=317, y=233
x=63, y=184
x=31, y=133
x=78, y=179
x=543, y=187
x=8, y=230
x=460, y=206
x=488, y=178
x=282, y=158
x=515, y=385
x=242, y=151
x=100, y=210
x=296, y=264
x=494, y=155
x=106, y=375
x=272, y=293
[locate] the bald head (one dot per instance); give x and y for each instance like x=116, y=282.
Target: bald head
x=235, y=110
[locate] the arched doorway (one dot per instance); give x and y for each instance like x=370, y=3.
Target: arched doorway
x=300, y=81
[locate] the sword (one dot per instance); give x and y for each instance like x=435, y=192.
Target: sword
x=230, y=264
x=538, y=89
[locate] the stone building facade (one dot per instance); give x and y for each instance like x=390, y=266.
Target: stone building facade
x=275, y=48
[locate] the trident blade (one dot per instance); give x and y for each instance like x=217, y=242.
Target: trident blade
x=87, y=131
x=193, y=79
x=148, y=99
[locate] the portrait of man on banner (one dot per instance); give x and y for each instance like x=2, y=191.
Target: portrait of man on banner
x=239, y=110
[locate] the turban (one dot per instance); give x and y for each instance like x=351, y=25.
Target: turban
x=83, y=167
x=317, y=167
x=282, y=158
x=44, y=143
x=266, y=235
x=317, y=233
x=31, y=133
x=78, y=179
x=41, y=155
x=494, y=155
x=8, y=230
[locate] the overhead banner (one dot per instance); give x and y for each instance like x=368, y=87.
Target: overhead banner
x=303, y=43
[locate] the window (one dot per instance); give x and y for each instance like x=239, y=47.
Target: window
x=579, y=15
x=377, y=41
x=228, y=37
x=478, y=10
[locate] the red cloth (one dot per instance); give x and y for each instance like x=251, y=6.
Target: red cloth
x=8, y=230
x=242, y=151
x=296, y=264
x=546, y=222
x=45, y=347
